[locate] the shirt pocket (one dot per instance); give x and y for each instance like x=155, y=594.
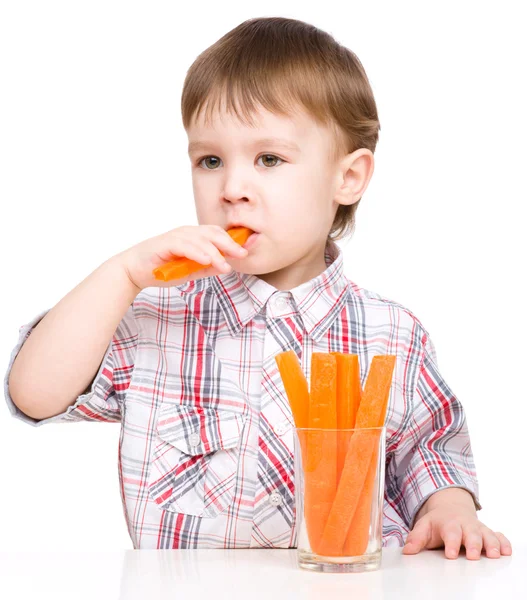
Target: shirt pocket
x=195, y=459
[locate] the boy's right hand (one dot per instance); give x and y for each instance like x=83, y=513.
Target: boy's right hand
x=201, y=243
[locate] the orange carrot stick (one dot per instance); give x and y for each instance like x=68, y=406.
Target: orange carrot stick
x=349, y=393
x=296, y=388
x=359, y=532
x=360, y=452
x=321, y=464
x=295, y=384
x=183, y=266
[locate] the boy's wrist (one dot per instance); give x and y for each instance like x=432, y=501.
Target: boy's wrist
x=450, y=495
x=115, y=263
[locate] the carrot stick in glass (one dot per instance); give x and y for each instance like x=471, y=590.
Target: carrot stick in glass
x=359, y=532
x=361, y=449
x=321, y=468
x=349, y=394
x=295, y=384
x=296, y=388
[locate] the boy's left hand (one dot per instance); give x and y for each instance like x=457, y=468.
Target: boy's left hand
x=449, y=517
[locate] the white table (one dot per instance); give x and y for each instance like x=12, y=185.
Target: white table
x=250, y=574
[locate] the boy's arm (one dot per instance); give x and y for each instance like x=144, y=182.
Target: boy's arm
x=435, y=452
x=63, y=354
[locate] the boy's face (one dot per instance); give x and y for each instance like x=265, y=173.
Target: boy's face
x=288, y=195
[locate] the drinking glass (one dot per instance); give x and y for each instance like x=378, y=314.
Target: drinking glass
x=339, y=492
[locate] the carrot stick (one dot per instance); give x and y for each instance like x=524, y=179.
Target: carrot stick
x=321, y=464
x=359, y=532
x=349, y=393
x=295, y=384
x=183, y=266
x=296, y=388
x=361, y=449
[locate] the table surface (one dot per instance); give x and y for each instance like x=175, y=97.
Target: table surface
x=250, y=574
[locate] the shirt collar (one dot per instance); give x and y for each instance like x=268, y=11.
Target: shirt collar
x=241, y=296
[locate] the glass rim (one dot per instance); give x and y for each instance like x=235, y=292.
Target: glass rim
x=345, y=429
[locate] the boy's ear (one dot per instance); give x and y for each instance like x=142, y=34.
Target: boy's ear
x=354, y=172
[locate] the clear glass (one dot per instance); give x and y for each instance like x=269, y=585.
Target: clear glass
x=339, y=493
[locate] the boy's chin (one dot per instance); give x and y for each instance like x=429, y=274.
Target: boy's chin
x=244, y=266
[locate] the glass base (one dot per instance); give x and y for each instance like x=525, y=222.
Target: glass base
x=339, y=564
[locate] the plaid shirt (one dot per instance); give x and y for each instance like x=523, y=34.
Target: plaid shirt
x=206, y=447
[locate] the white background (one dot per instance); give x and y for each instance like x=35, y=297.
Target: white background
x=93, y=159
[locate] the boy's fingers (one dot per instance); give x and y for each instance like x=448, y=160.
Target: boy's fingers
x=491, y=543
x=452, y=538
x=506, y=547
x=473, y=542
x=419, y=537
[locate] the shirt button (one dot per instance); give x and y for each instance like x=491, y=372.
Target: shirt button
x=280, y=429
x=275, y=499
x=194, y=439
x=281, y=303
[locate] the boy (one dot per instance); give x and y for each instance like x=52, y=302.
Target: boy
x=282, y=126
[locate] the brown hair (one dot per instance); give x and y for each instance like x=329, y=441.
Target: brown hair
x=280, y=64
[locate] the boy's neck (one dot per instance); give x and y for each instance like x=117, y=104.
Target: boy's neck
x=290, y=277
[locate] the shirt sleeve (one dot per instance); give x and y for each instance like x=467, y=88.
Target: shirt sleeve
x=103, y=399
x=435, y=451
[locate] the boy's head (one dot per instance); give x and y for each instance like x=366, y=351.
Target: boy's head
x=280, y=78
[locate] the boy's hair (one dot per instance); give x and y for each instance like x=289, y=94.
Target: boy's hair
x=280, y=64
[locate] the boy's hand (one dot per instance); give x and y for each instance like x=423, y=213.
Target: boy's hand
x=449, y=517
x=201, y=243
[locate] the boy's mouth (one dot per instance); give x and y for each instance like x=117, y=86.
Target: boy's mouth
x=251, y=240
x=232, y=224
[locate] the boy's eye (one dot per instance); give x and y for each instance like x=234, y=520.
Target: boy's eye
x=215, y=158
